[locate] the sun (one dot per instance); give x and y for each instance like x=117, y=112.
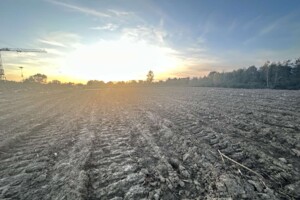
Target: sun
x=119, y=60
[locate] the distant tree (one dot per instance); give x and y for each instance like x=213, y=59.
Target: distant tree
x=110, y=84
x=37, y=78
x=251, y=77
x=282, y=74
x=55, y=82
x=69, y=84
x=150, y=76
x=194, y=81
x=120, y=83
x=295, y=82
x=265, y=73
x=141, y=82
x=132, y=82
x=95, y=83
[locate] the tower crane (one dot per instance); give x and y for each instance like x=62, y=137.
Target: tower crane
x=18, y=50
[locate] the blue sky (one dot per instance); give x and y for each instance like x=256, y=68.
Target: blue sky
x=173, y=37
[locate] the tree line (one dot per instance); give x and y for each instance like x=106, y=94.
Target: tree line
x=273, y=75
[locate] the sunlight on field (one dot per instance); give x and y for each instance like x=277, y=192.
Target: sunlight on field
x=132, y=142
x=119, y=60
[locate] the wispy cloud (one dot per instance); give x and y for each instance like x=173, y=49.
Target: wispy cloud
x=269, y=28
x=198, y=66
x=80, y=9
x=249, y=40
x=282, y=22
x=276, y=24
x=251, y=23
x=55, y=52
x=195, y=50
x=60, y=39
x=120, y=13
x=108, y=27
x=209, y=25
x=148, y=33
x=52, y=43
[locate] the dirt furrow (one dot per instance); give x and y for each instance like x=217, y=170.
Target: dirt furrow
x=151, y=143
x=26, y=167
x=167, y=176
x=32, y=120
x=112, y=168
x=15, y=132
x=68, y=178
x=18, y=106
x=217, y=135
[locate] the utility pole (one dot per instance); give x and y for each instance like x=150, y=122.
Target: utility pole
x=21, y=68
x=2, y=75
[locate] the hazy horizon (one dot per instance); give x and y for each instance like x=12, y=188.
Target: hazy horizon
x=122, y=41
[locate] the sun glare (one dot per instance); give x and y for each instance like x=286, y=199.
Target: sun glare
x=119, y=60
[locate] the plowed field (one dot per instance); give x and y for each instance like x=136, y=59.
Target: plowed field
x=150, y=143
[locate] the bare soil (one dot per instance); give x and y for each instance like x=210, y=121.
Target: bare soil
x=150, y=143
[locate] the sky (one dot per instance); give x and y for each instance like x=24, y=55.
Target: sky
x=115, y=40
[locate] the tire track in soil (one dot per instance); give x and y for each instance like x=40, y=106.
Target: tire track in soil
x=200, y=159
x=22, y=107
x=25, y=168
x=40, y=120
x=112, y=168
x=68, y=178
x=107, y=149
x=231, y=146
x=173, y=178
x=250, y=127
x=9, y=101
x=31, y=120
x=168, y=179
x=232, y=129
x=18, y=113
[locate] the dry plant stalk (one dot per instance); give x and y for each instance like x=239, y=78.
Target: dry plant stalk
x=243, y=166
x=221, y=156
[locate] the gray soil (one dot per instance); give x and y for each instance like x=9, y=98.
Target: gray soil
x=150, y=143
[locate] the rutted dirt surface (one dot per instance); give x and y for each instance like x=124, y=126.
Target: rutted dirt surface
x=150, y=143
